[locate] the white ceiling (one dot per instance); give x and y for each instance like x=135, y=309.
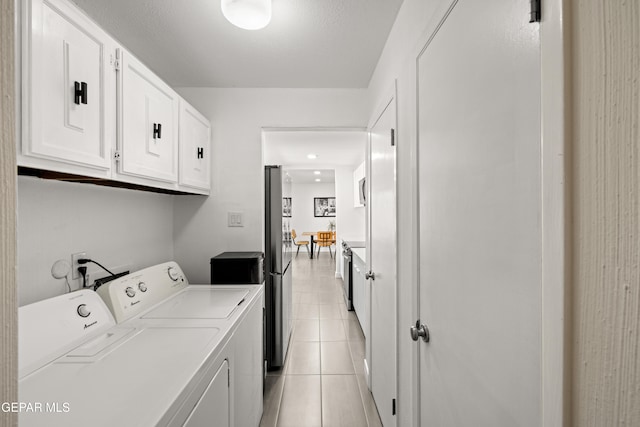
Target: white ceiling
x=309, y=43
x=332, y=147
x=307, y=176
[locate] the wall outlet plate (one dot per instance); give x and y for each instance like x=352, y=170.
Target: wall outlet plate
x=75, y=274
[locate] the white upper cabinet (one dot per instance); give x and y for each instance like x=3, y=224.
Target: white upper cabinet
x=195, y=149
x=91, y=109
x=148, y=125
x=68, y=91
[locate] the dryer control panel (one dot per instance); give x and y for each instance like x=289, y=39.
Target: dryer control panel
x=134, y=293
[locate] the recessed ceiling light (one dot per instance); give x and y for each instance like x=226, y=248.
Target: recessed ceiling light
x=316, y=172
x=312, y=156
x=317, y=179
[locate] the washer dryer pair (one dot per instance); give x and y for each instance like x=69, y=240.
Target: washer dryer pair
x=80, y=365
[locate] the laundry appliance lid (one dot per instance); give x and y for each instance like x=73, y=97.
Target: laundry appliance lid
x=200, y=302
x=142, y=381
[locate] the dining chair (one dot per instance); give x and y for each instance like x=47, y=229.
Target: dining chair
x=299, y=243
x=324, y=240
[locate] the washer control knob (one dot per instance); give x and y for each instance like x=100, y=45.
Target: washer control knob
x=142, y=286
x=130, y=292
x=173, y=274
x=83, y=310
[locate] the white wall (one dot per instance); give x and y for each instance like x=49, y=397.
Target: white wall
x=237, y=116
x=116, y=227
x=302, y=195
x=135, y=229
x=351, y=225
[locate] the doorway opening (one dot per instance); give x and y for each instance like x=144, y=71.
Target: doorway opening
x=324, y=366
x=323, y=167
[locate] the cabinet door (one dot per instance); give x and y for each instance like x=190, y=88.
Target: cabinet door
x=67, y=90
x=248, y=364
x=195, y=137
x=359, y=300
x=213, y=407
x=148, y=116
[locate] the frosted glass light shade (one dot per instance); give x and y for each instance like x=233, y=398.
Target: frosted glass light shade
x=247, y=14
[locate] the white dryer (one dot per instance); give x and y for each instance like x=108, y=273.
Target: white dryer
x=160, y=296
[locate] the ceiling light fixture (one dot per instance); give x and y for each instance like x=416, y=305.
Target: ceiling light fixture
x=316, y=172
x=311, y=156
x=247, y=14
x=317, y=179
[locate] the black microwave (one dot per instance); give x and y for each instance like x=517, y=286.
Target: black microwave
x=231, y=268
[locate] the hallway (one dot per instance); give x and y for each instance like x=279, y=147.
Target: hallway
x=322, y=382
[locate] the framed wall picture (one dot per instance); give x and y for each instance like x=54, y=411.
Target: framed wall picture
x=324, y=206
x=286, y=207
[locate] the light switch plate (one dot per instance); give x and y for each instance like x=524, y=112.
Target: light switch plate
x=235, y=219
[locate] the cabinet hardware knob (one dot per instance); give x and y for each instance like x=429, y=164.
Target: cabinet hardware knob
x=157, y=131
x=80, y=92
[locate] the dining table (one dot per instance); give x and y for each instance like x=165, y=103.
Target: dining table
x=312, y=236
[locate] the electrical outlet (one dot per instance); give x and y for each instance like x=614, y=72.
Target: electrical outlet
x=75, y=274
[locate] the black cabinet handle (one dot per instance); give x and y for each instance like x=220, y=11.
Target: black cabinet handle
x=200, y=152
x=157, y=130
x=80, y=92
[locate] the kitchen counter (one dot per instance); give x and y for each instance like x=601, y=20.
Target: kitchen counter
x=360, y=253
x=354, y=243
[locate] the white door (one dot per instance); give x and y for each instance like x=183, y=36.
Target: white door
x=382, y=262
x=480, y=233
x=148, y=123
x=195, y=136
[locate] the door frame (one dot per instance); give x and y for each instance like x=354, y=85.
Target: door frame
x=555, y=215
x=9, y=99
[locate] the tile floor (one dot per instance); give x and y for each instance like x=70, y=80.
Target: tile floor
x=322, y=382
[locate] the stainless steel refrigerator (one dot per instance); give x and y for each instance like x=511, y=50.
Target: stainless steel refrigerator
x=278, y=270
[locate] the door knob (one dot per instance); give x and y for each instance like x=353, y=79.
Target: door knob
x=420, y=330
x=370, y=275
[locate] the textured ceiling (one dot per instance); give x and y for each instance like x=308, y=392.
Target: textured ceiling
x=309, y=43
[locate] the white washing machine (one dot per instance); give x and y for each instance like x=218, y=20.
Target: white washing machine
x=160, y=297
x=178, y=355
x=77, y=367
